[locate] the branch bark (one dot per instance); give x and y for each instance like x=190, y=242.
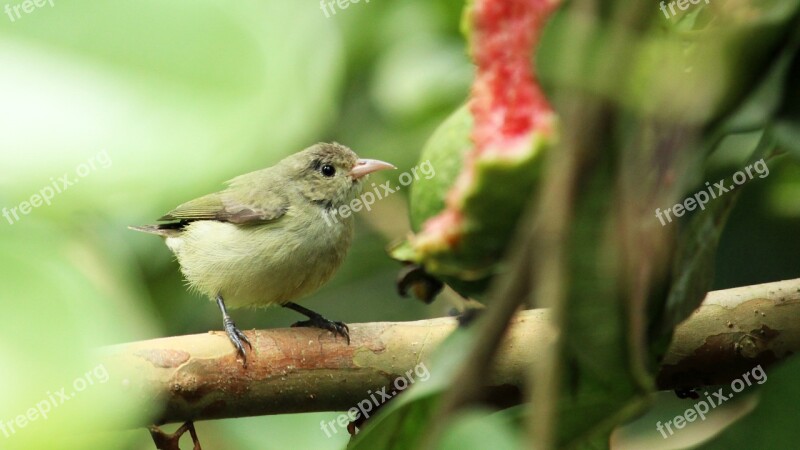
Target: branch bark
x=198, y=377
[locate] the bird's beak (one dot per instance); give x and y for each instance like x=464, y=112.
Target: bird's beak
x=367, y=166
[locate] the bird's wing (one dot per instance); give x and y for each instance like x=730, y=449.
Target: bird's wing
x=226, y=206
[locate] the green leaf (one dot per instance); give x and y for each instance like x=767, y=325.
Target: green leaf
x=787, y=122
x=693, y=271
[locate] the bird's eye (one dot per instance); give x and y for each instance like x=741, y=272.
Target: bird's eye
x=328, y=170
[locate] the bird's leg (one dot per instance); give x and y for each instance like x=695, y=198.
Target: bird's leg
x=234, y=334
x=317, y=321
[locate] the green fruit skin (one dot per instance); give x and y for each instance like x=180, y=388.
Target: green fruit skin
x=445, y=150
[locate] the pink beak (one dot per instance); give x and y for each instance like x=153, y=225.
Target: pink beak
x=367, y=166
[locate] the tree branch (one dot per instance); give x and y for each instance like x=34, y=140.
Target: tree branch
x=301, y=370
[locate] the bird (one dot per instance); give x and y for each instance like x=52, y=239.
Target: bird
x=267, y=239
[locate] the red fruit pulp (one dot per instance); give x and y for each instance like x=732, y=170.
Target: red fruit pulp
x=506, y=102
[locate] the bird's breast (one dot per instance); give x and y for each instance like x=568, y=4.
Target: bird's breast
x=265, y=264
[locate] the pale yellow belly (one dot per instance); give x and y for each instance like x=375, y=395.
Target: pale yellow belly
x=259, y=266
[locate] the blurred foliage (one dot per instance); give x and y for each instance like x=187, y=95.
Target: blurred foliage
x=668, y=95
x=181, y=96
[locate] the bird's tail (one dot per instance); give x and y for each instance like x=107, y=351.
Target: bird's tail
x=165, y=230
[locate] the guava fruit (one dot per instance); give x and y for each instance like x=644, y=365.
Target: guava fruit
x=487, y=154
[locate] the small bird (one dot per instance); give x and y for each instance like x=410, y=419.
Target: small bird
x=267, y=239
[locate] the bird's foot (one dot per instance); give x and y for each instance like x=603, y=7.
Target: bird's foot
x=237, y=337
x=317, y=321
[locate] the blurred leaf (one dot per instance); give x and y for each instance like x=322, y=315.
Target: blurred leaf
x=420, y=74
x=761, y=104
x=63, y=300
x=694, y=75
x=694, y=261
x=600, y=385
x=787, y=122
x=480, y=430
x=693, y=272
x=700, y=74
x=181, y=96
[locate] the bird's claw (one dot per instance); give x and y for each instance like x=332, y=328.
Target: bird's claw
x=339, y=328
x=237, y=336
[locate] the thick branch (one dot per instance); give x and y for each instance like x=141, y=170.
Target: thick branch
x=300, y=370
x=733, y=331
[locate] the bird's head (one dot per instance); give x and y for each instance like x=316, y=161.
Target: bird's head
x=330, y=174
